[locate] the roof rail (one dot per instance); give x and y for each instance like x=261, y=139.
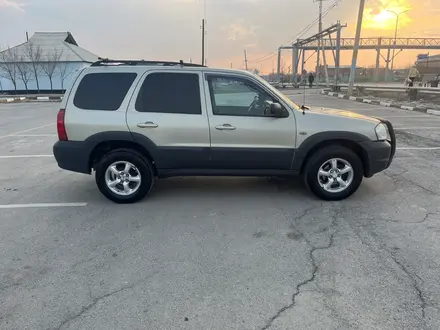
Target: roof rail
x=108, y=62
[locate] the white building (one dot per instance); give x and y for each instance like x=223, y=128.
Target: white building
x=46, y=56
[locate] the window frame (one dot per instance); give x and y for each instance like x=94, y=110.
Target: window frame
x=149, y=73
x=247, y=81
x=77, y=89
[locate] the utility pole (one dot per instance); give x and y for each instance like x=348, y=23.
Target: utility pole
x=338, y=54
x=318, y=60
x=245, y=60
x=356, y=48
x=203, y=41
x=395, y=34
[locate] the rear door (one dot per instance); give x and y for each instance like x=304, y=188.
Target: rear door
x=168, y=113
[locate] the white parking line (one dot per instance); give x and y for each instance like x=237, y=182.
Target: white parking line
x=40, y=205
x=421, y=127
x=415, y=116
x=25, y=156
x=33, y=135
x=418, y=148
x=27, y=130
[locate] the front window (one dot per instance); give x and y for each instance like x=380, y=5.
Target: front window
x=278, y=93
x=233, y=96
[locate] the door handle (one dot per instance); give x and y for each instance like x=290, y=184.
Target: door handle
x=148, y=124
x=225, y=127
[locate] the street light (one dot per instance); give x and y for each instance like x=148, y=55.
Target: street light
x=395, y=33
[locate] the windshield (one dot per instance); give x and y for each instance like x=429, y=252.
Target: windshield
x=278, y=93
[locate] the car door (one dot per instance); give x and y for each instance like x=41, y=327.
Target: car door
x=167, y=114
x=244, y=135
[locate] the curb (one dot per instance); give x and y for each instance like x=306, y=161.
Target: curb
x=32, y=99
x=384, y=104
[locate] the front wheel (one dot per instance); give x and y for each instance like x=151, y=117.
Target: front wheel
x=334, y=173
x=124, y=176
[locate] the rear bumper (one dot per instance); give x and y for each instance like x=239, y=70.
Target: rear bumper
x=72, y=156
x=380, y=154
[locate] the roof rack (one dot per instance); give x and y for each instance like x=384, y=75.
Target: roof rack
x=108, y=62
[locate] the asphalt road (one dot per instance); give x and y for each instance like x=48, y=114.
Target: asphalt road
x=218, y=253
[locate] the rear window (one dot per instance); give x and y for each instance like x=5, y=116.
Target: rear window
x=103, y=91
x=170, y=93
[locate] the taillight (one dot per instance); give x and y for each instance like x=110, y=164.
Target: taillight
x=61, y=128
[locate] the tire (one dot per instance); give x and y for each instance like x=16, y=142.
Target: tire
x=140, y=170
x=322, y=160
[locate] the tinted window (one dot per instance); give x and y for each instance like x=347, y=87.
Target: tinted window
x=170, y=93
x=103, y=91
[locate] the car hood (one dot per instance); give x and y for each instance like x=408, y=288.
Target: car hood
x=342, y=113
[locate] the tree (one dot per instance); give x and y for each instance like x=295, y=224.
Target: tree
x=8, y=65
x=34, y=52
x=64, y=70
x=24, y=71
x=50, y=65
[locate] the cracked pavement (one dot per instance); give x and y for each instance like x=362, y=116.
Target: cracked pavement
x=220, y=253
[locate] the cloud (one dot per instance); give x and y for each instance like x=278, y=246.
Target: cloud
x=237, y=31
x=12, y=4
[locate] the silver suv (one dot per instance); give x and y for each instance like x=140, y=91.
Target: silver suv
x=134, y=121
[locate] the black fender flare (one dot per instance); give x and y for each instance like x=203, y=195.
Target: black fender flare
x=94, y=140
x=309, y=144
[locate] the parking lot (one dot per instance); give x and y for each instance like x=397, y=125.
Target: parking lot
x=218, y=253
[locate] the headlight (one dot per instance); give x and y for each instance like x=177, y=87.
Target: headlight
x=381, y=132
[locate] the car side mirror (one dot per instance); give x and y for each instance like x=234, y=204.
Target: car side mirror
x=277, y=110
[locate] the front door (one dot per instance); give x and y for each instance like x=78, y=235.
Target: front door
x=244, y=136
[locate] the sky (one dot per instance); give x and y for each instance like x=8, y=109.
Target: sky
x=170, y=29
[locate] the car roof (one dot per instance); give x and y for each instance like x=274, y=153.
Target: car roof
x=135, y=65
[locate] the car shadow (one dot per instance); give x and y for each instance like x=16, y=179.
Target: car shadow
x=226, y=186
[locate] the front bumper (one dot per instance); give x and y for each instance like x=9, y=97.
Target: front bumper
x=72, y=156
x=380, y=154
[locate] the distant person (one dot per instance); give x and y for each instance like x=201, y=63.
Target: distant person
x=413, y=74
x=311, y=79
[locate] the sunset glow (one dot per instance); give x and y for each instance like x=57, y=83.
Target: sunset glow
x=378, y=16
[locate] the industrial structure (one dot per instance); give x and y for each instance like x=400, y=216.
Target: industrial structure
x=46, y=62
x=327, y=41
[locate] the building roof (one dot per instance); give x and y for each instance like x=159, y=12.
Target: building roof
x=62, y=42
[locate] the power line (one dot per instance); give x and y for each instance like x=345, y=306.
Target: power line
x=301, y=33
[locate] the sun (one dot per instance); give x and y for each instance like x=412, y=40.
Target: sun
x=380, y=17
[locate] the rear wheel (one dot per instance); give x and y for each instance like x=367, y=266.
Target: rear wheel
x=334, y=173
x=124, y=176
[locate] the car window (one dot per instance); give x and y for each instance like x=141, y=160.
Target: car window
x=103, y=91
x=232, y=96
x=170, y=93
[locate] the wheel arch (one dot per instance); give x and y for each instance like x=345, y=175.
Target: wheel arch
x=102, y=143
x=318, y=141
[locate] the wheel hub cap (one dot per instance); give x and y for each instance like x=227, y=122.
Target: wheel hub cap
x=123, y=178
x=335, y=175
